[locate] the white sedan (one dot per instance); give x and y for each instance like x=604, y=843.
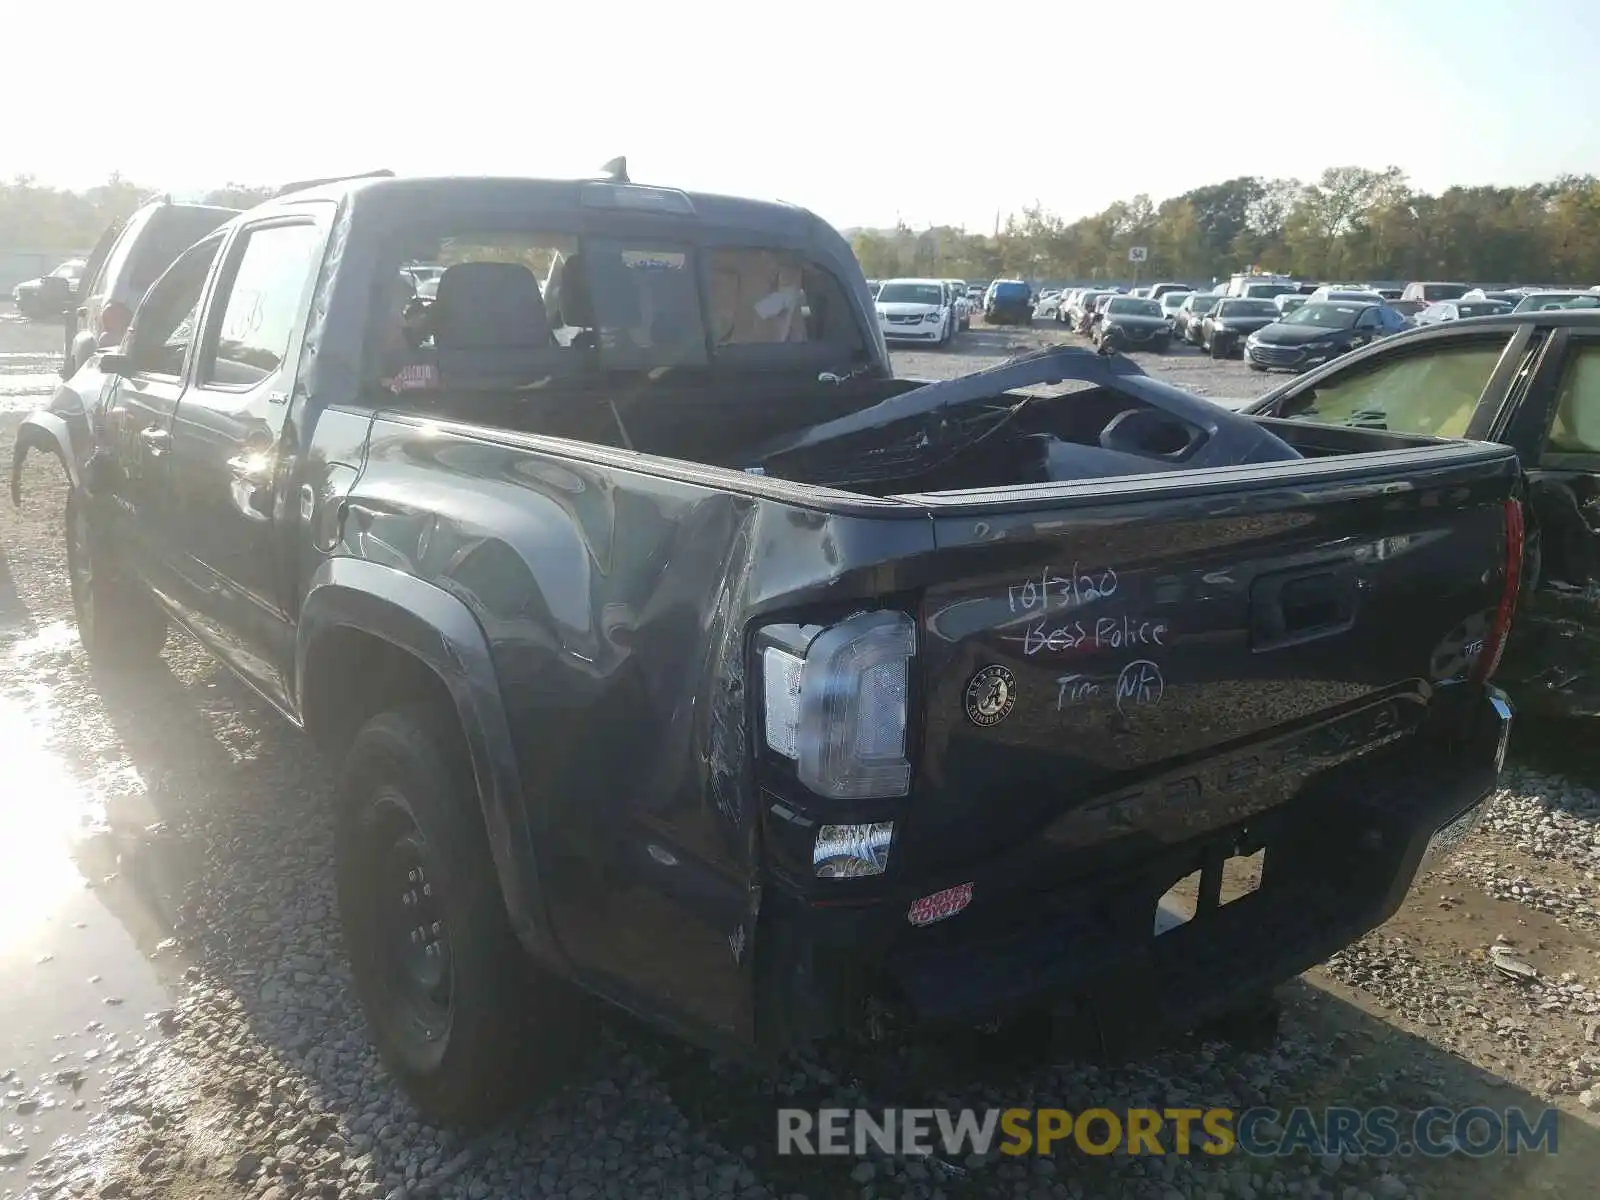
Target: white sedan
x=916, y=310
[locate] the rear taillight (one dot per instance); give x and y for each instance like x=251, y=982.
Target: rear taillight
x=115, y=319
x=1494, y=644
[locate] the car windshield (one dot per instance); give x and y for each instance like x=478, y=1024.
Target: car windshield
x=1328, y=316
x=1248, y=308
x=1128, y=306
x=1267, y=290
x=1482, y=308
x=1200, y=301
x=911, y=293
x=1174, y=299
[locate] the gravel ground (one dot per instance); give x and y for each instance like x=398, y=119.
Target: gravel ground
x=258, y=1083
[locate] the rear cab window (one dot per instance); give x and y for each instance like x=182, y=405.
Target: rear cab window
x=522, y=306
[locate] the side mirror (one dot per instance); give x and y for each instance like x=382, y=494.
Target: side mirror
x=116, y=364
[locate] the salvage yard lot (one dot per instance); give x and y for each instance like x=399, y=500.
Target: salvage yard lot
x=260, y=1082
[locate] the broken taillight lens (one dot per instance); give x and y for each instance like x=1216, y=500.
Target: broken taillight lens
x=1495, y=644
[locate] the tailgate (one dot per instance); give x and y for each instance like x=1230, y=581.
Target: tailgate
x=1121, y=662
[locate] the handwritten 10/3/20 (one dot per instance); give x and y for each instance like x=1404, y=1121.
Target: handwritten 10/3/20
x=1051, y=591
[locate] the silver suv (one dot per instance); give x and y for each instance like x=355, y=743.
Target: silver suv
x=124, y=263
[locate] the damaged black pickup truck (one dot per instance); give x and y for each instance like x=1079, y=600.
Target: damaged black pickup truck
x=674, y=648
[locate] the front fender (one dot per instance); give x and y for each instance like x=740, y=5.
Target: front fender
x=48, y=432
x=441, y=631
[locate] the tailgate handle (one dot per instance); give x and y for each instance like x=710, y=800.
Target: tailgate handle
x=1292, y=607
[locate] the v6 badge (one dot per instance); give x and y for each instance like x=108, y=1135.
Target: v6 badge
x=991, y=695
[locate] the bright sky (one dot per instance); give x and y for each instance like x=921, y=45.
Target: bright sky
x=863, y=111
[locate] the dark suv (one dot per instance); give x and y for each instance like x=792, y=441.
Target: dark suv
x=1008, y=302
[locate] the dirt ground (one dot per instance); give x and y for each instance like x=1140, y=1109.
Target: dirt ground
x=202, y=831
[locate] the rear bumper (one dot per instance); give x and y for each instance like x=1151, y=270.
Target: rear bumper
x=1338, y=861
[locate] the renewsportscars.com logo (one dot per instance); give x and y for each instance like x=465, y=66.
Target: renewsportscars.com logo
x=1258, y=1132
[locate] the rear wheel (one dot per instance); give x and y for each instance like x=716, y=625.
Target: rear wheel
x=119, y=623
x=458, y=1012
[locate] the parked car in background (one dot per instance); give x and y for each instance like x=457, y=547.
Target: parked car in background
x=1289, y=301
x=50, y=296
x=964, y=305
x=1133, y=323
x=1082, y=309
x=1239, y=285
x=1008, y=302
x=975, y=295
x=1389, y=293
x=956, y=294
x=916, y=310
x=1170, y=303
x=1049, y=306
x=1186, y=324
x=1432, y=293
x=1455, y=310
x=129, y=257
x=1538, y=301
x=1529, y=380
x=1097, y=311
x=873, y=285
x=1161, y=289
x=1408, y=309
x=1234, y=318
x=1317, y=332
x=1336, y=292
x=1508, y=295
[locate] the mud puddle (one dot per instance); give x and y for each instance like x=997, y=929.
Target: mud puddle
x=84, y=951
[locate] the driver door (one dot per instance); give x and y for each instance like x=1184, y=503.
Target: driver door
x=139, y=408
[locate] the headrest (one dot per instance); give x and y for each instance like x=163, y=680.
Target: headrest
x=489, y=306
x=579, y=275
x=577, y=304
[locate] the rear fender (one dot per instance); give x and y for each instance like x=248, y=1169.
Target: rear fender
x=47, y=432
x=439, y=630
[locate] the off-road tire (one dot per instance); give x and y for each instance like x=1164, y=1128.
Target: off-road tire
x=407, y=793
x=119, y=623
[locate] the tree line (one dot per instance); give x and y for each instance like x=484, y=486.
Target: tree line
x=35, y=217
x=1350, y=224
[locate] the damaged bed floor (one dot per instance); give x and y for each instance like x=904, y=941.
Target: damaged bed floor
x=236, y=1065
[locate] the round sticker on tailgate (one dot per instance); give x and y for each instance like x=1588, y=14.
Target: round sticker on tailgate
x=991, y=695
x=940, y=905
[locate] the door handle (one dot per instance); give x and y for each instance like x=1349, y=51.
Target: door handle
x=155, y=439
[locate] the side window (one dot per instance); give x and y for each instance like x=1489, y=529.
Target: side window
x=1575, y=428
x=1434, y=392
x=117, y=257
x=260, y=304
x=164, y=327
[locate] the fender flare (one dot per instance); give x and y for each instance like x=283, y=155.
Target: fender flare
x=440, y=631
x=43, y=431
